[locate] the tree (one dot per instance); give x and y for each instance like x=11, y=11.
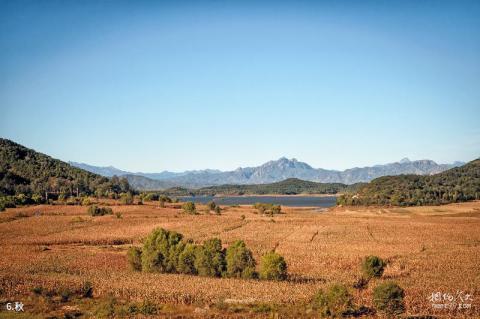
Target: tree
x=373, y=266
x=273, y=267
x=335, y=302
x=161, y=250
x=134, y=257
x=239, y=260
x=187, y=260
x=210, y=258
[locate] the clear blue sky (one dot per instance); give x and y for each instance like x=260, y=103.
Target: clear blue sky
x=148, y=86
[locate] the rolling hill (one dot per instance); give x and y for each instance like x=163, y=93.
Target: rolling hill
x=25, y=171
x=454, y=185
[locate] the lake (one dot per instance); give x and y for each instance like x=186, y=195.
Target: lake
x=296, y=201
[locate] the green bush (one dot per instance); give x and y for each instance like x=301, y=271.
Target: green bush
x=239, y=261
x=126, y=198
x=373, y=266
x=273, y=267
x=161, y=251
x=86, y=201
x=189, y=208
x=218, y=210
x=37, y=199
x=94, y=210
x=134, y=257
x=335, y=302
x=388, y=298
x=187, y=260
x=165, y=199
x=210, y=258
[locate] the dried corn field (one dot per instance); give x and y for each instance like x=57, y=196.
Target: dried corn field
x=428, y=249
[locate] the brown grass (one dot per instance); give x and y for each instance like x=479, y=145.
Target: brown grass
x=429, y=249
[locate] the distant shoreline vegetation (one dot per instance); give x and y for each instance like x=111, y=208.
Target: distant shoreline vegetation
x=291, y=186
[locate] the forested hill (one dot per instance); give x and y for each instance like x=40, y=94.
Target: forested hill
x=454, y=185
x=25, y=171
x=291, y=186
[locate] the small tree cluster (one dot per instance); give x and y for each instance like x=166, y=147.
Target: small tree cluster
x=268, y=209
x=94, y=210
x=166, y=252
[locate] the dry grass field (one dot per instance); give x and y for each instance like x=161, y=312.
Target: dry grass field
x=56, y=249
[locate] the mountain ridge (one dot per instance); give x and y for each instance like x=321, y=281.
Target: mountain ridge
x=274, y=171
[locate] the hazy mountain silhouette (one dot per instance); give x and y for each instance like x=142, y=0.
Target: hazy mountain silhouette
x=270, y=172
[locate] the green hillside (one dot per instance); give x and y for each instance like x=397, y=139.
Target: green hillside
x=291, y=186
x=25, y=171
x=455, y=185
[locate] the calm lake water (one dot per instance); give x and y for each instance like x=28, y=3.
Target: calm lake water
x=297, y=201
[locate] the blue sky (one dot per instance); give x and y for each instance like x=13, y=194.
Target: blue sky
x=151, y=86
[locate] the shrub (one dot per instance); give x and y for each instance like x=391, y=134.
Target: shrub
x=86, y=201
x=218, y=210
x=165, y=199
x=373, y=266
x=148, y=308
x=388, y=298
x=22, y=199
x=7, y=202
x=94, y=210
x=335, y=302
x=134, y=257
x=37, y=290
x=211, y=205
x=187, y=260
x=87, y=290
x=161, y=251
x=118, y=215
x=239, y=261
x=268, y=209
x=150, y=197
x=37, y=199
x=126, y=198
x=273, y=267
x=189, y=208
x=210, y=258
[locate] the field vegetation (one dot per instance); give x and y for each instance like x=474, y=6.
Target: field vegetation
x=61, y=261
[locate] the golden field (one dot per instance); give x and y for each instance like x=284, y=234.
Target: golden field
x=59, y=247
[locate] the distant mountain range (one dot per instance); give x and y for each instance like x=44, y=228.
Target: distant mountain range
x=270, y=172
